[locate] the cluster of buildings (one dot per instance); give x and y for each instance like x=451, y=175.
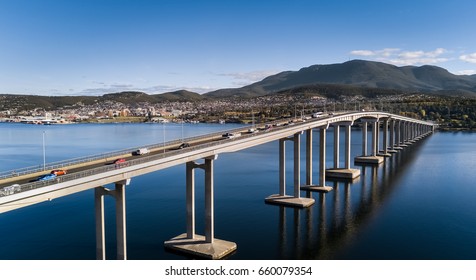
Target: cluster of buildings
x=205, y=110
x=153, y=112
x=81, y=112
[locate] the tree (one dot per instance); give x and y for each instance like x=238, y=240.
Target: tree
x=423, y=113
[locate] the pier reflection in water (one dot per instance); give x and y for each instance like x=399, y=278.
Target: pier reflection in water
x=326, y=229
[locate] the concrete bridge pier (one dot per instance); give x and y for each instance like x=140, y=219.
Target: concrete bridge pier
x=372, y=158
x=346, y=173
x=384, y=152
x=364, y=138
x=418, y=131
x=426, y=130
x=410, y=138
x=191, y=243
x=414, y=133
x=404, y=134
x=321, y=187
x=377, y=138
x=282, y=199
x=120, y=196
x=391, y=149
x=336, y=145
x=398, y=135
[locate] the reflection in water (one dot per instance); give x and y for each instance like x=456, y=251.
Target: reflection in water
x=335, y=222
x=341, y=212
x=297, y=232
x=322, y=220
x=347, y=205
x=282, y=231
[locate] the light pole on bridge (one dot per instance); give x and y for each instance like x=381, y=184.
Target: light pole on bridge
x=163, y=133
x=44, y=152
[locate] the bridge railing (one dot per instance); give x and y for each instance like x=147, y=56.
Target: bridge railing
x=103, y=156
x=110, y=167
x=80, y=160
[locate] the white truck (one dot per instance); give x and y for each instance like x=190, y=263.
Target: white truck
x=141, y=151
x=317, y=114
x=10, y=190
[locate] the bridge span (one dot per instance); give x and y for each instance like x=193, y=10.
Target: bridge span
x=17, y=190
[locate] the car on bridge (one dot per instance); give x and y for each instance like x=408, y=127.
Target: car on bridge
x=46, y=177
x=141, y=151
x=59, y=172
x=317, y=115
x=183, y=146
x=119, y=161
x=10, y=189
x=231, y=135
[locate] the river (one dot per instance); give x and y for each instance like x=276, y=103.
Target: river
x=419, y=204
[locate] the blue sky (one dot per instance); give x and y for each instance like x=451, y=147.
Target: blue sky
x=92, y=47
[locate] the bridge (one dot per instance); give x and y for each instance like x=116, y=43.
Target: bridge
x=19, y=189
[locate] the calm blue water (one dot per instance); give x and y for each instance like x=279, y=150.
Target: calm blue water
x=418, y=205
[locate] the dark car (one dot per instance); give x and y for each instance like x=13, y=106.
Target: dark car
x=184, y=145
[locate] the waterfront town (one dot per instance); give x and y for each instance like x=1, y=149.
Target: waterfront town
x=233, y=109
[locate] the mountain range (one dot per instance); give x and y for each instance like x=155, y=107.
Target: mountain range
x=351, y=77
x=362, y=73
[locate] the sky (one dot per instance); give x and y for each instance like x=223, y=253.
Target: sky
x=93, y=47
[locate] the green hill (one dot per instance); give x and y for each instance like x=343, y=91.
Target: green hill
x=361, y=73
x=180, y=95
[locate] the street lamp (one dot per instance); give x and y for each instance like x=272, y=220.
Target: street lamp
x=163, y=133
x=44, y=152
x=182, y=128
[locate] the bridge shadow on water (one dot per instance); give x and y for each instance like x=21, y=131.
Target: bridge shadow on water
x=326, y=229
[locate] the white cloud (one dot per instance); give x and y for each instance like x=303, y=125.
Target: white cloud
x=469, y=57
x=122, y=86
x=466, y=72
x=417, y=60
x=411, y=55
x=377, y=53
x=437, y=52
x=399, y=57
x=387, y=52
x=362, y=53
